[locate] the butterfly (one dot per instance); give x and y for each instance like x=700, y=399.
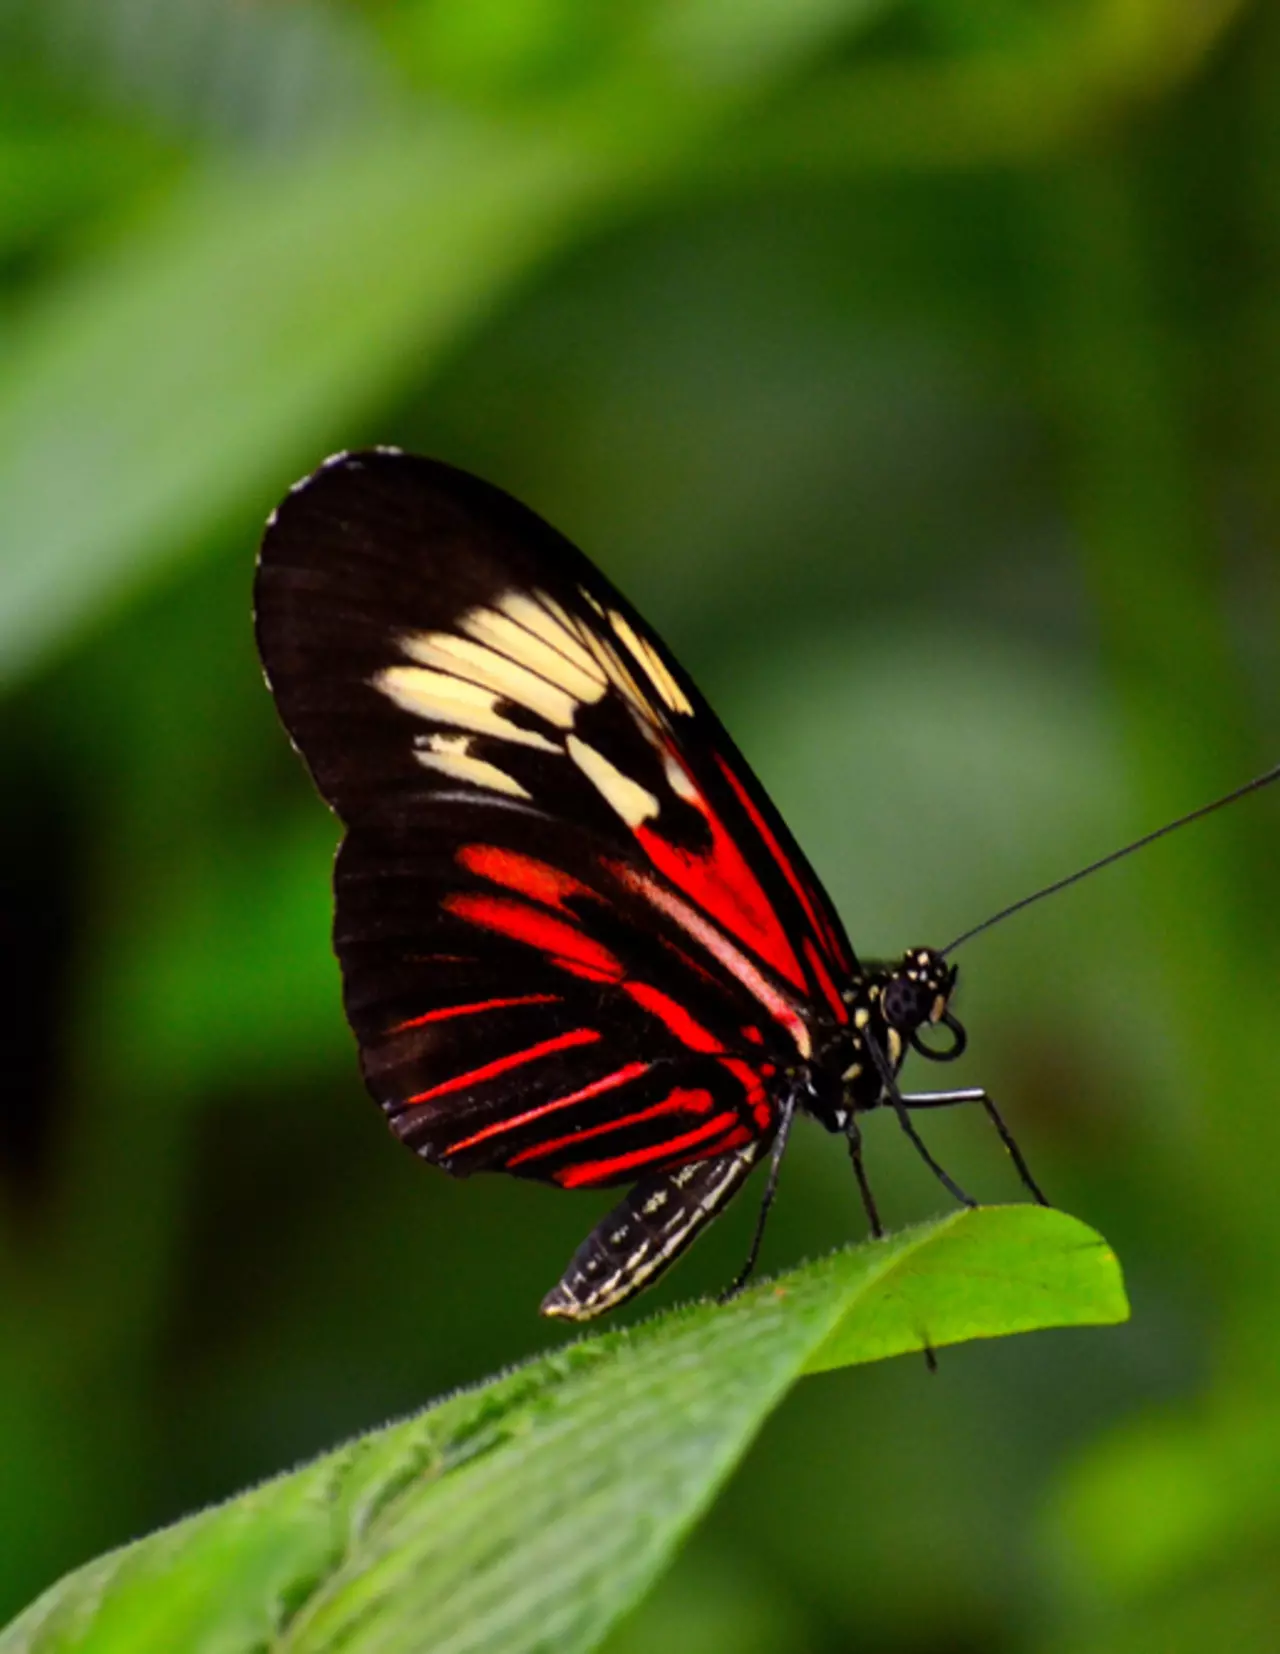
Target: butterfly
x=578, y=942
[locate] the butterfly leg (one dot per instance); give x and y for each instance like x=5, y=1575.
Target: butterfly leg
x=944, y=1099
x=770, y=1189
x=643, y=1235
x=890, y=1082
x=853, y=1134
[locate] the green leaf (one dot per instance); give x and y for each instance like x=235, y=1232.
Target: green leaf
x=531, y=1513
x=1005, y=1269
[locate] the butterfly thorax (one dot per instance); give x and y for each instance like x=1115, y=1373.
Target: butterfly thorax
x=889, y=1004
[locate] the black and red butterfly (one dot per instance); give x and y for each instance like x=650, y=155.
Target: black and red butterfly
x=578, y=942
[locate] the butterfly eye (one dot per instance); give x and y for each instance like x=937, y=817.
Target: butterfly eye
x=904, y=1003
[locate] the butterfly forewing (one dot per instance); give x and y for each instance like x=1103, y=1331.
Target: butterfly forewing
x=577, y=941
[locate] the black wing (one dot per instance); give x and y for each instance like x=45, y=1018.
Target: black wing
x=577, y=941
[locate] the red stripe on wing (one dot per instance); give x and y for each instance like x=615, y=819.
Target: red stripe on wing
x=750, y=1081
x=538, y=880
x=446, y=1012
x=706, y=1140
x=686, y=1029
x=620, y=1076
x=817, y=918
x=502, y=1065
x=563, y=943
x=719, y=946
x=722, y=883
x=681, y=1100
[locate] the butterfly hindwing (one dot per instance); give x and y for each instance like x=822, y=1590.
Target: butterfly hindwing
x=509, y=1013
x=577, y=940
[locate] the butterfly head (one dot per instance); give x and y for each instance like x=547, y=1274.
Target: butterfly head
x=917, y=994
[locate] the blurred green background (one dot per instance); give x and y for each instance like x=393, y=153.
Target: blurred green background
x=916, y=368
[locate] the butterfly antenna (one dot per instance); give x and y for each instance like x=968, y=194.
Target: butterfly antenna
x=1253, y=786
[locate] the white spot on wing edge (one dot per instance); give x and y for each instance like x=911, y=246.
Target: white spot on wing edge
x=330, y=463
x=626, y=797
x=347, y=456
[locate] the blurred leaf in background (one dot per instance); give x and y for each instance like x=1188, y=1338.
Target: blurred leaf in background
x=914, y=367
